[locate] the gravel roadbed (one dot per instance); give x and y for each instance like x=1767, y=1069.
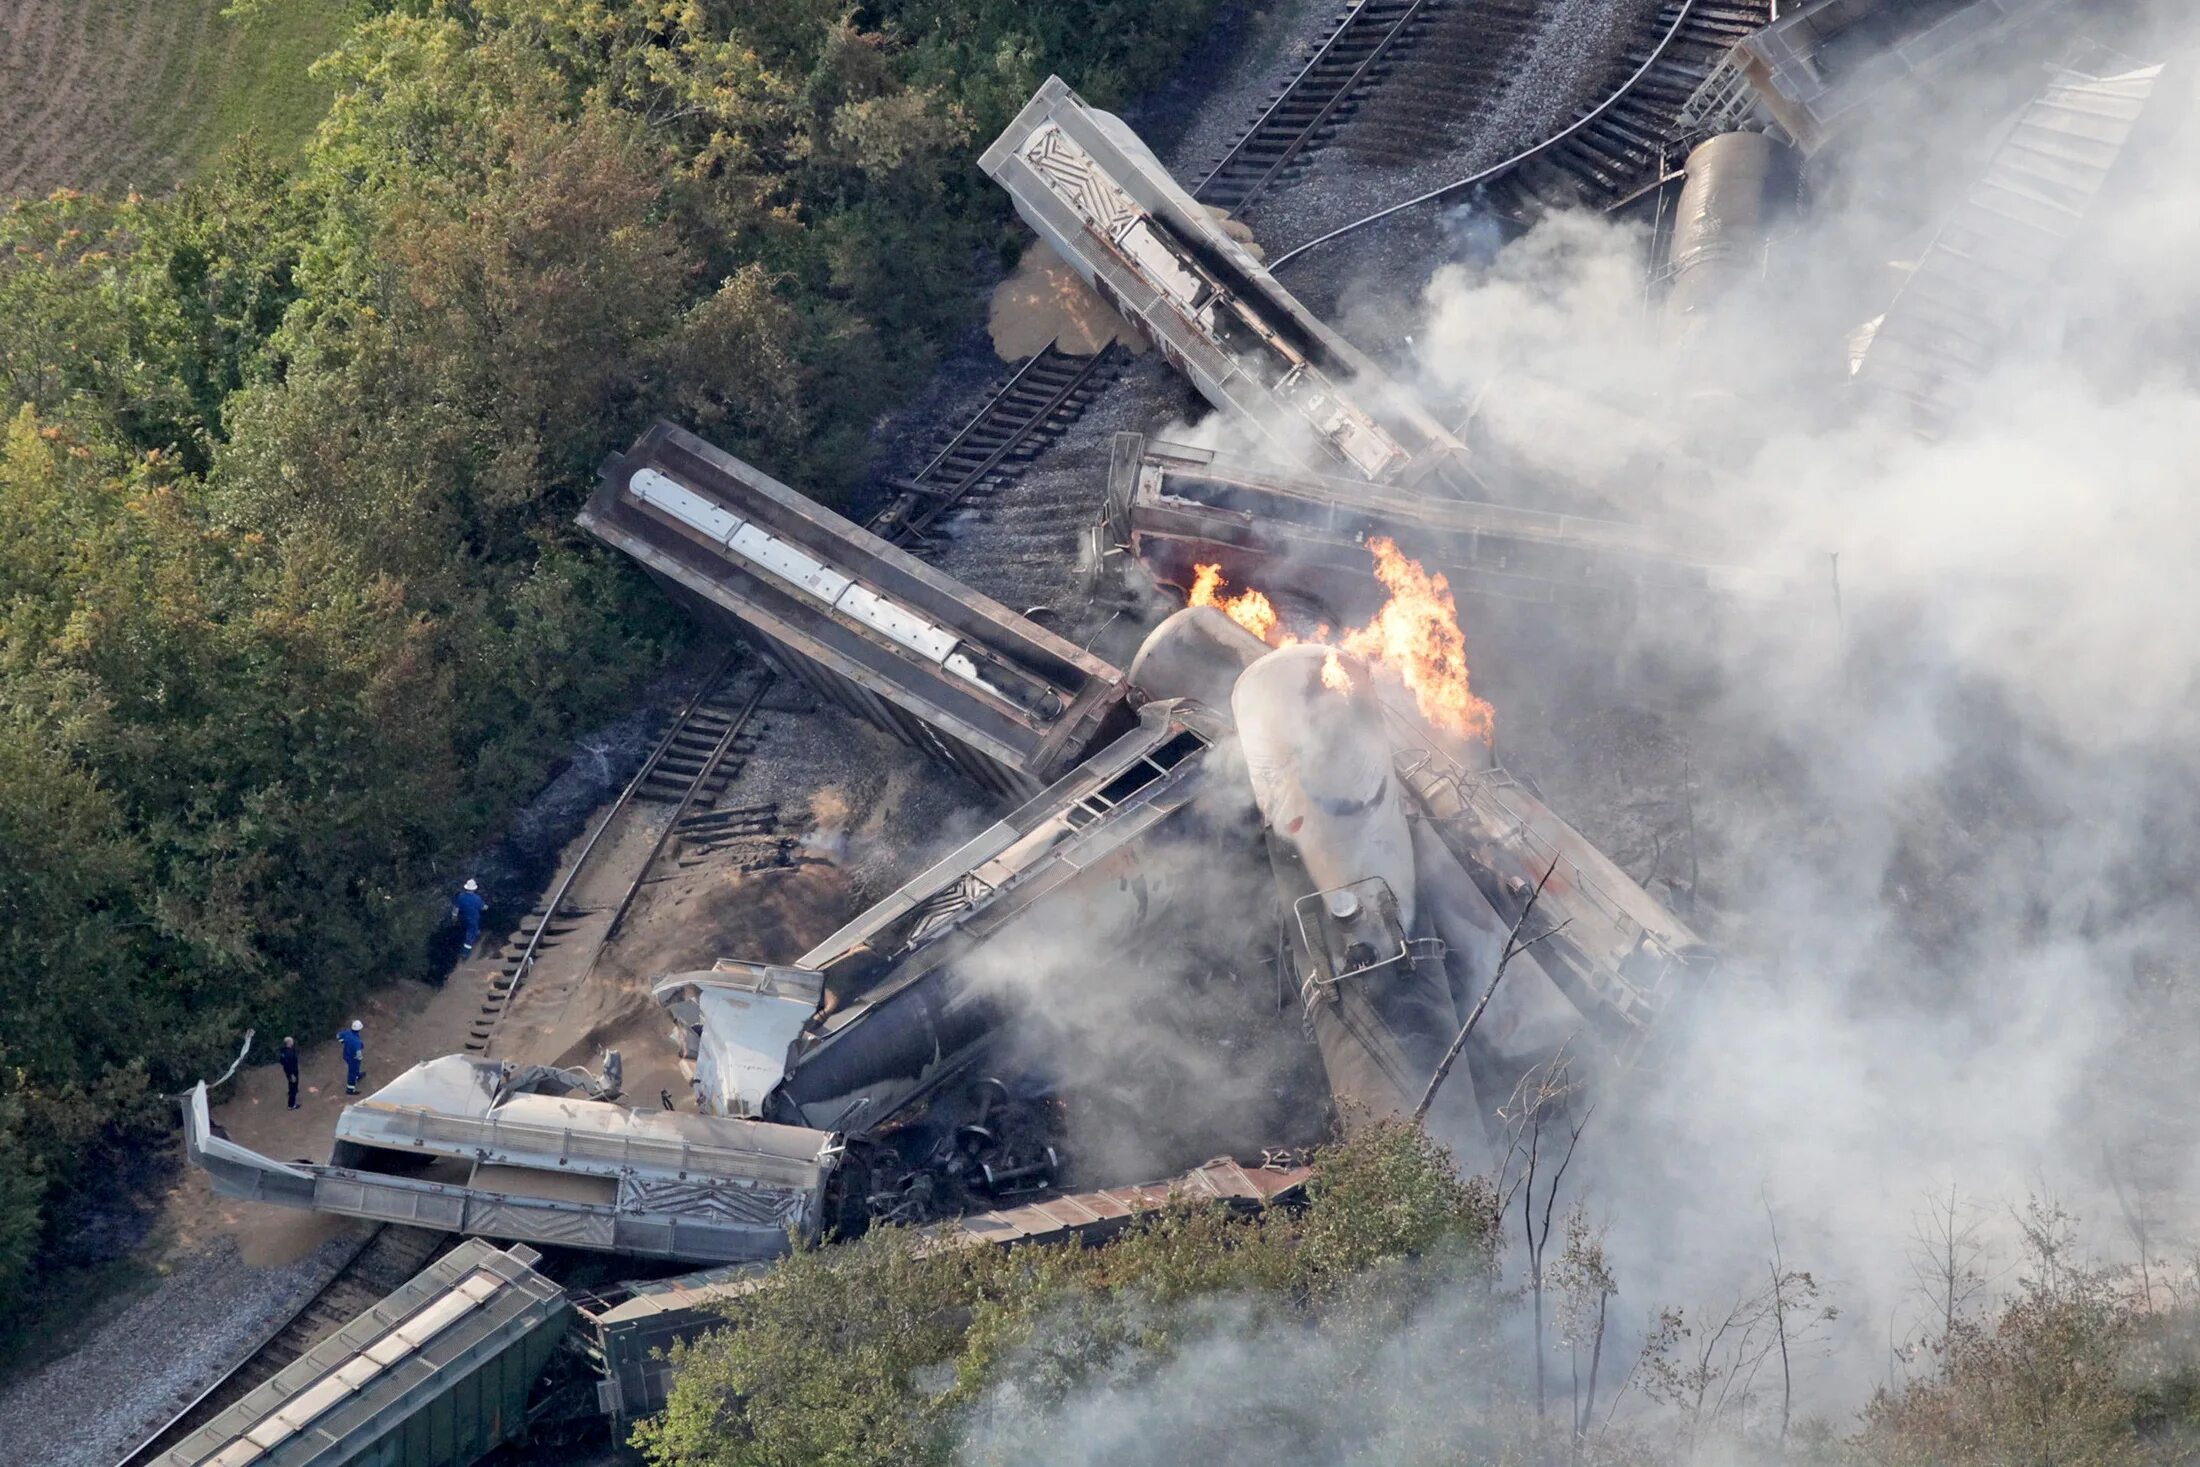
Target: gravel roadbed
x=96, y=1403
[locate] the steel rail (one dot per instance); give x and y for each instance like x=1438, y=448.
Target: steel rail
x=618, y=807
x=1496, y=170
x=938, y=503
x=1289, y=94
x=980, y=419
x=702, y=777
x=172, y=1429
x=159, y=1438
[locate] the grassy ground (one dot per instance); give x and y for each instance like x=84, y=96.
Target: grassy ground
x=139, y=94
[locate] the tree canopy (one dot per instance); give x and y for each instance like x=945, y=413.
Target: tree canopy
x=291, y=612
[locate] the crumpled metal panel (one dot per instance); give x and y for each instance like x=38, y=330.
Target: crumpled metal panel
x=712, y=1203
x=1999, y=251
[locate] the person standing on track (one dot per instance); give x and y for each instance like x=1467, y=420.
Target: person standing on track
x=468, y=909
x=355, y=1056
x=287, y=1057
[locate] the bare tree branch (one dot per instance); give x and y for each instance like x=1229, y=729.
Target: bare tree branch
x=1513, y=947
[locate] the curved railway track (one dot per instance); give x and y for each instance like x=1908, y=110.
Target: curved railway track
x=1613, y=152
x=689, y=767
x=388, y=1257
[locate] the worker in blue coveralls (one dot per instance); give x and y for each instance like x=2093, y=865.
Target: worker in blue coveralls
x=355, y=1056
x=468, y=909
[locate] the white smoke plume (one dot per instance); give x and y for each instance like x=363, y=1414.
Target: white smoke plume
x=1948, y=830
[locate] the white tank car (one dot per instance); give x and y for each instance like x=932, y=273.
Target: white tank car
x=1321, y=764
x=1321, y=773
x=1528, y=1017
x=1195, y=653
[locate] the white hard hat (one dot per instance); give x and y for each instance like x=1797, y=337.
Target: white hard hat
x=472, y=885
x=355, y=1024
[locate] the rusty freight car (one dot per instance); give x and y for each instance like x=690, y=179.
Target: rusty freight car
x=1173, y=507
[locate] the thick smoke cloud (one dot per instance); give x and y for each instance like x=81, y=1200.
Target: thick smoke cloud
x=1949, y=832
x=1948, y=827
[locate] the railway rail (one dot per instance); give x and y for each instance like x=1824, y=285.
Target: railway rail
x=1308, y=109
x=1612, y=153
x=690, y=765
x=1039, y=400
x=389, y=1256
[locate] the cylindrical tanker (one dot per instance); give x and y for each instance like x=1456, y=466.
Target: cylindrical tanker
x=1195, y=653
x=1320, y=767
x=1739, y=183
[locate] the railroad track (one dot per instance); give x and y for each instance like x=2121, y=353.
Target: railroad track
x=1621, y=149
x=1039, y=400
x=1306, y=111
x=689, y=768
x=1629, y=143
x=1464, y=67
x=391, y=1255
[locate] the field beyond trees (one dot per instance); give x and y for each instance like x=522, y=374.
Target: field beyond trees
x=292, y=613
x=115, y=95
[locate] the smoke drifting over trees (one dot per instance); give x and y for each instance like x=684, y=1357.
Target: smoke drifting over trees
x=1919, y=1152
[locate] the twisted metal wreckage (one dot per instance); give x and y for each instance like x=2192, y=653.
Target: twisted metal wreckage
x=828, y=1085
x=1395, y=867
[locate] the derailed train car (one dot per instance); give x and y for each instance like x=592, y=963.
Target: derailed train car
x=1095, y=193
x=438, y=1374
x=869, y=626
x=451, y=1145
x=1402, y=870
x=1622, y=958
x=627, y=1329
x=1826, y=65
x=1174, y=507
x=862, y=1030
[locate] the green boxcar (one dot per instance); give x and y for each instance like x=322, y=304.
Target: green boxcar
x=435, y=1375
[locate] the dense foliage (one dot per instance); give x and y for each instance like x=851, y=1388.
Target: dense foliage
x=879, y=1352
x=291, y=614
x=1388, y=1320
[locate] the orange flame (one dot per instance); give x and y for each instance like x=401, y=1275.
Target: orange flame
x=1249, y=610
x=1416, y=635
